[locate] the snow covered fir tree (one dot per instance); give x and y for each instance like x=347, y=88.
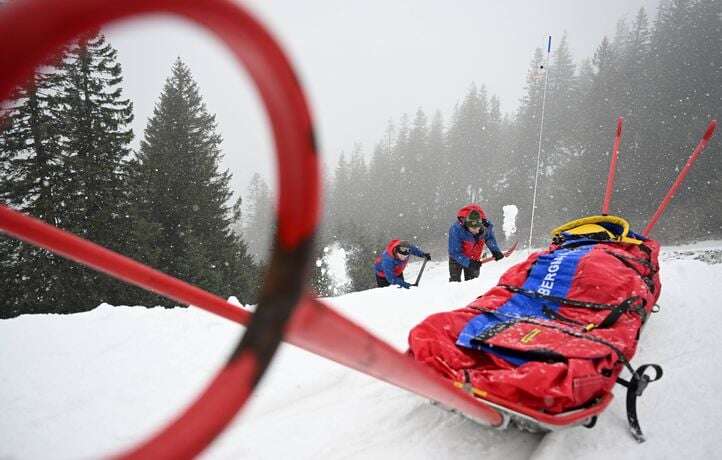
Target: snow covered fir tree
x=63, y=160
x=180, y=197
x=31, y=168
x=257, y=221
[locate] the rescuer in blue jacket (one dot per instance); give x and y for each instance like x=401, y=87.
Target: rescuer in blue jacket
x=467, y=237
x=390, y=265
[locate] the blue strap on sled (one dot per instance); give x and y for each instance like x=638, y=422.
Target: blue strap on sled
x=552, y=275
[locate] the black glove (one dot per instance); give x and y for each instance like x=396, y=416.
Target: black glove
x=498, y=255
x=474, y=264
x=427, y=256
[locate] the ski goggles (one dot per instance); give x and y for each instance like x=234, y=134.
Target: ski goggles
x=404, y=251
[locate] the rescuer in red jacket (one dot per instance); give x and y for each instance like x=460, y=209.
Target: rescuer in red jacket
x=390, y=265
x=467, y=237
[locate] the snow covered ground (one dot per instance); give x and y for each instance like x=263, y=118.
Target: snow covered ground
x=90, y=384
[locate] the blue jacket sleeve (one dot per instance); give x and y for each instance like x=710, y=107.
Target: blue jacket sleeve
x=387, y=264
x=415, y=250
x=490, y=239
x=455, y=251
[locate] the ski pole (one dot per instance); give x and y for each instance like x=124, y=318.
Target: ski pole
x=680, y=177
x=421, y=272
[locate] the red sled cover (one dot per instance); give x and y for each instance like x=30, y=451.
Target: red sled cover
x=558, y=328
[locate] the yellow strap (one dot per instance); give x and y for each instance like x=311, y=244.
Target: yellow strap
x=587, y=229
x=589, y=220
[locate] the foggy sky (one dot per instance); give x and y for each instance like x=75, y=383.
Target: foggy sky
x=361, y=63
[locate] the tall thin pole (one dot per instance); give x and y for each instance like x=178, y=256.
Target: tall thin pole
x=541, y=131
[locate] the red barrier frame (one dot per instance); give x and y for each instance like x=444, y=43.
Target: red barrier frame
x=39, y=27
x=34, y=30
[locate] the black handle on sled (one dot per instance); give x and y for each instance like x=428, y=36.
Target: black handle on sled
x=421, y=272
x=635, y=388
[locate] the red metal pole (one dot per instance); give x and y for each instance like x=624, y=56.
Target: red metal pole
x=680, y=177
x=321, y=330
x=612, y=167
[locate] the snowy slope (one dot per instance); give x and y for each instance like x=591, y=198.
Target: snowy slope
x=89, y=384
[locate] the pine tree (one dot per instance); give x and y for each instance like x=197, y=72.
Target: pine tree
x=31, y=167
x=705, y=103
x=382, y=187
x=397, y=194
x=73, y=173
x=414, y=180
x=341, y=195
x=633, y=103
x=96, y=139
x=96, y=147
x=685, y=67
x=596, y=132
x=360, y=201
x=182, y=197
x=434, y=162
x=258, y=218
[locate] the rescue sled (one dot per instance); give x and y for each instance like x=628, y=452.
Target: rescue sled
x=547, y=344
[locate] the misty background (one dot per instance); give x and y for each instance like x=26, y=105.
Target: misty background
x=361, y=64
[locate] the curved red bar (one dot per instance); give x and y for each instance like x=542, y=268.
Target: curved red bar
x=38, y=27
x=33, y=30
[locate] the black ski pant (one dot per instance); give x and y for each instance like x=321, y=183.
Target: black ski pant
x=456, y=268
x=383, y=282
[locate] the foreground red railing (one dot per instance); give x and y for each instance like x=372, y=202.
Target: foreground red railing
x=33, y=30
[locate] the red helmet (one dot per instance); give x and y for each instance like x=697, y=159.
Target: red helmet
x=403, y=248
x=467, y=210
